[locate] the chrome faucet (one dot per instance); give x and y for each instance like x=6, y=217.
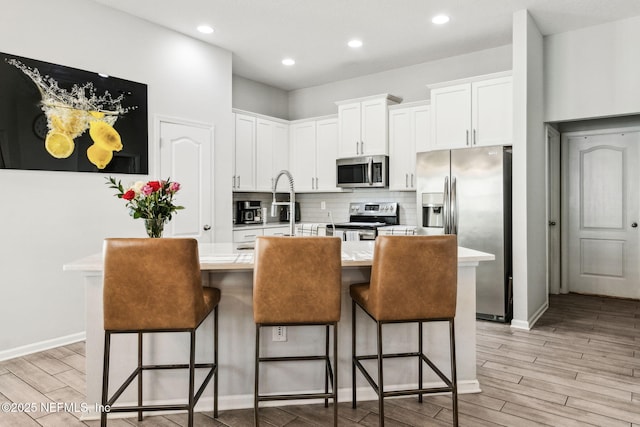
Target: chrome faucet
x=291, y=202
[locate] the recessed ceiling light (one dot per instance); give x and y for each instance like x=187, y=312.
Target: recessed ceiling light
x=103, y=75
x=288, y=61
x=355, y=43
x=205, y=29
x=440, y=19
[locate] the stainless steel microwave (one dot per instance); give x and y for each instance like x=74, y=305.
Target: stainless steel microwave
x=363, y=172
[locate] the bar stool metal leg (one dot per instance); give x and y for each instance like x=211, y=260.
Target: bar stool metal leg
x=215, y=361
x=327, y=367
x=420, y=361
x=334, y=383
x=140, y=375
x=353, y=354
x=454, y=376
x=380, y=375
x=256, y=376
x=105, y=378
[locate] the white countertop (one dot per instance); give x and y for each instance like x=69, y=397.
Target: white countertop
x=223, y=256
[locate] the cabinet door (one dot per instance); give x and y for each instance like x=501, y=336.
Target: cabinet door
x=492, y=112
x=245, y=145
x=249, y=235
x=264, y=154
x=373, y=127
x=451, y=117
x=349, y=130
x=421, y=121
x=303, y=155
x=280, y=148
x=276, y=231
x=326, y=153
x=401, y=148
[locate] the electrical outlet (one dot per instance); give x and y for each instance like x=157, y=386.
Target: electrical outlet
x=279, y=333
x=323, y=205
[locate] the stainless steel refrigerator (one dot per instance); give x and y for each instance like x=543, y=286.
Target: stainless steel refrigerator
x=468, y=192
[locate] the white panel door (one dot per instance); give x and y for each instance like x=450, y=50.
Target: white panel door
x=602, y=201
x=186, y=156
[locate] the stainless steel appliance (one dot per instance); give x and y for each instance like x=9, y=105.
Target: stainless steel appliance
x=468, y=192
x=249, y=212
x=284, y=212
x=364, y=220
x=363, y=172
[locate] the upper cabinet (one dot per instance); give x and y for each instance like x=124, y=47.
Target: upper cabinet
x=472, y=113
x=363, y=125
x=408, y=134
x=261, y=150
x=314, y=146
x=272, y=152
x=244, y=178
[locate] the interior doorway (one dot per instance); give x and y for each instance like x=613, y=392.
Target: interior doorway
x=600, y=212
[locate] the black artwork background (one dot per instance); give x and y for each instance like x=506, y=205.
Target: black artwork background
x=23, y=124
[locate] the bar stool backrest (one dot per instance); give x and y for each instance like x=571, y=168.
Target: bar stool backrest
x=414, y=277
x=297, y=280
x=152, y=284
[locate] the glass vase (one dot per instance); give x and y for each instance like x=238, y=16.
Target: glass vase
x=154, y=226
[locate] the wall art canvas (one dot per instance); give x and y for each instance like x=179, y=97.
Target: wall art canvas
x=59, y=118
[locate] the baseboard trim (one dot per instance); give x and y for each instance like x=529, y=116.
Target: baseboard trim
x=12, y=353
x=527, y=325
x=245, y=401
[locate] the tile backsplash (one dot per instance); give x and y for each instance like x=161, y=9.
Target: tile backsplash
x=338, y=204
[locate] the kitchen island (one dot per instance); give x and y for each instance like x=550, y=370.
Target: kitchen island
x=232, y=272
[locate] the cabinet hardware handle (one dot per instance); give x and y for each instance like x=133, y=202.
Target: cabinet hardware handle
x=361, y=147
x=312, y=183
x=474, y=137
x=238, y=182
x=467, y=136
x=412, y=181
x=406, y=180
x=357, y=152
x=316, y=183
x=206, y=227
x=249, y=235
x=234, y=182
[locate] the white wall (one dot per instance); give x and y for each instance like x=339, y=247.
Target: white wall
x=50, y=218
x=257, y=97
x=593, y=72
x=409, y=83
x=529, y=192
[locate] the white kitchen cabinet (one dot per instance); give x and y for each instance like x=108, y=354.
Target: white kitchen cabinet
x=244, y=153
x=272, y=152
x=313, y=154
x=243, y=236
x=363, y=125
x=408, y=134
x=472, y=113
x=276, y=231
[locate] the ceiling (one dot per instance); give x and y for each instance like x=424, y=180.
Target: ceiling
x=395, y=33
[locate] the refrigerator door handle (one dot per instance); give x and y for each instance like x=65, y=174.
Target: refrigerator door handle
x=454, y=207
x=446, y=206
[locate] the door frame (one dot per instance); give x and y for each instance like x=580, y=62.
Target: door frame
x=564, y=174
x=553, y=148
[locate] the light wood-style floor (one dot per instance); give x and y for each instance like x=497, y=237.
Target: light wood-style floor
x=579, y=366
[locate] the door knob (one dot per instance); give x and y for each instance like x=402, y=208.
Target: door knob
x=552, y=223
x=634, y=224
x=206, y=227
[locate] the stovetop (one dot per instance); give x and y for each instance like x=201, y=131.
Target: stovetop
x=368, y=215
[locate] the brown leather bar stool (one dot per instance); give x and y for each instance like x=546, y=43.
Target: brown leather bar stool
x=297, y=282
x=413, y=279
x=154, y=285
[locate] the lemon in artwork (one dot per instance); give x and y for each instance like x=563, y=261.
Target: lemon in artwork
x=59, y=145
x=105, y=136
x=99, y=156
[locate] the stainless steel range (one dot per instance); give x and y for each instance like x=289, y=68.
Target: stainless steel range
x=364, y=220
